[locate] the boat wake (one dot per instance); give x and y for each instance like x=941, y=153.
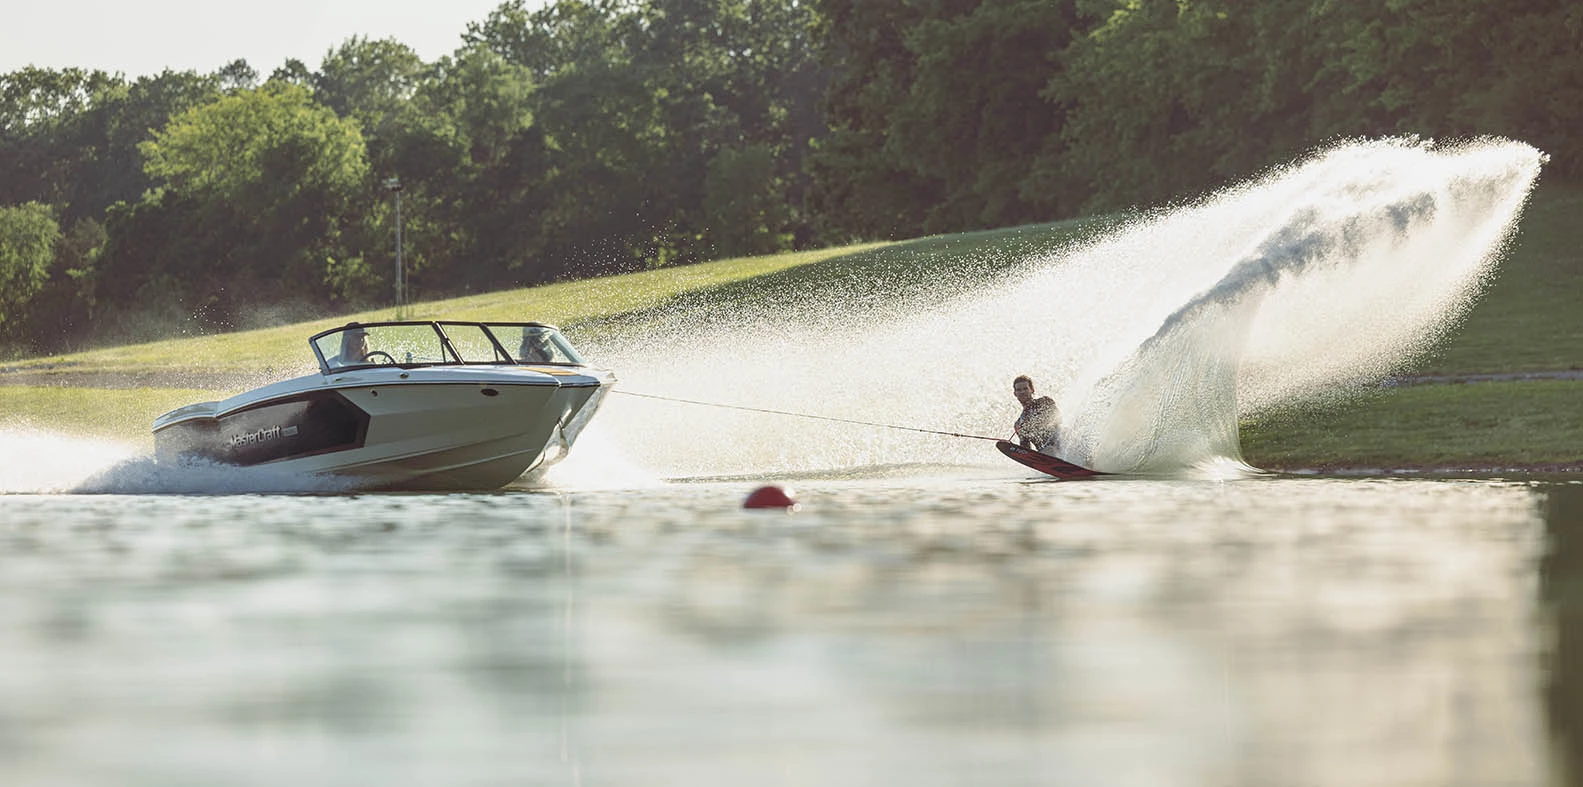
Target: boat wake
x=144, y=476
x=35, y=461
x=41, y=462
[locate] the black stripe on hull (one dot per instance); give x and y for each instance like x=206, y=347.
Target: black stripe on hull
x=317, y=422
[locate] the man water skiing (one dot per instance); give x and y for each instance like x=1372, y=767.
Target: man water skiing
x=1039, y=425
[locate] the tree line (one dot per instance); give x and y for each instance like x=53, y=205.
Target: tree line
x=597, y=136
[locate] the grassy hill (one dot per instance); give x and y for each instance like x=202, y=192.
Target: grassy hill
x=1529, y=320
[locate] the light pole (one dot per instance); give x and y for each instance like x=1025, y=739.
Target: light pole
x=393, y=185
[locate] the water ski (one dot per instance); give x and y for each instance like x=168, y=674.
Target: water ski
x=1044, y=463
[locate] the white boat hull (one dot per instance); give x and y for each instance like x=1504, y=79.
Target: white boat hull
x=420, y=429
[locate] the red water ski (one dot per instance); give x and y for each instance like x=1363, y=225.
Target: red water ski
x=1044, y=463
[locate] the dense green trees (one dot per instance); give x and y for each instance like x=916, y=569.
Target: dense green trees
x=937, y=112
x=1221, y=88
x=639, y=107
x=259, y=185
x=590, y=136
x=1103, y=104
x=28, y=234
x=69, y=138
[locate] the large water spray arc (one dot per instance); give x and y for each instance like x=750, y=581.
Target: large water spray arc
x=1323, y=275
x=1364, y=257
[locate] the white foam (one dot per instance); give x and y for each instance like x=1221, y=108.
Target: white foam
x=596, y=462
x=35, y=461
x=39, y=461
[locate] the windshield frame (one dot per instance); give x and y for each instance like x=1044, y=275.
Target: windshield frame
x=448, y=352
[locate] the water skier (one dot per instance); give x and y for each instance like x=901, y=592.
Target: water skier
x=1039, y=425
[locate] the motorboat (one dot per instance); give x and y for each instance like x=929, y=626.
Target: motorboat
x=420, y=405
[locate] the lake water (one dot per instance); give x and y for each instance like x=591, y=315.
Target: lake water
x=912, y=625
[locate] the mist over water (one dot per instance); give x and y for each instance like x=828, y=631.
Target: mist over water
x=1319, y=277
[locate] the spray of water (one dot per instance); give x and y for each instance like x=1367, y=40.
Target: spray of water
x=1154, y=338
x=39, y=461
x=34, y=461
x=1321, y=276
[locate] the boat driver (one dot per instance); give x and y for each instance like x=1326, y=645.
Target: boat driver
x=354, y=346
x=535, y=348
x=1039, y=425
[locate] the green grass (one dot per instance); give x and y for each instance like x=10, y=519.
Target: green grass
x=1474, y=425
x=284, y=348
x=121, y=414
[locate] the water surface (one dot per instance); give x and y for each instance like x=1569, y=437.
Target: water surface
x=929, y=626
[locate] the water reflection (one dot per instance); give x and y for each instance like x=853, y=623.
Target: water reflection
x=919, y=631
x=1561, y=575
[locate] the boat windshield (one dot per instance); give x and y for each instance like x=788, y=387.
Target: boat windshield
x=534, y=343
x=429, y=343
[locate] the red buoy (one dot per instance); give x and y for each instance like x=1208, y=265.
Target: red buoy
x=770, y=496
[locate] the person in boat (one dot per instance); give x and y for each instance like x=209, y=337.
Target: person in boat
x=1039, y=425
x=354, y=346
x=535, y=348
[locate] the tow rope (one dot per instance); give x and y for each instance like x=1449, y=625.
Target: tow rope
x=805, y=415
